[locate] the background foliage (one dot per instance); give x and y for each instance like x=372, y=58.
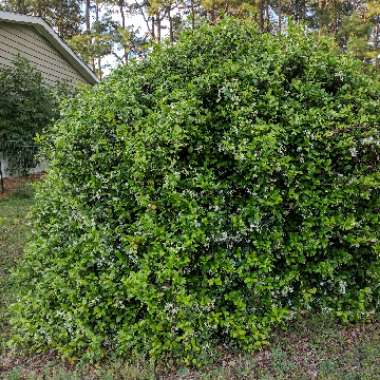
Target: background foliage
x=27, y=106
x=204, y=196
x=110, y=32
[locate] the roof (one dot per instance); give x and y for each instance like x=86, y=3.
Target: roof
x=44, y=29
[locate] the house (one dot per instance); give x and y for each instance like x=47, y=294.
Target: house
x=33, y=38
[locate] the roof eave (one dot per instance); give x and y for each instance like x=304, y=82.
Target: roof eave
x=48, y=32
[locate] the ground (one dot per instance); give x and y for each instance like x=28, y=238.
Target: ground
x=311, y=348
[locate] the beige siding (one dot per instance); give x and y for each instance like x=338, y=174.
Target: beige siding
x=24, y=40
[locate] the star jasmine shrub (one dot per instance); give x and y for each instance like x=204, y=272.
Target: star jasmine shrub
x=203, y=197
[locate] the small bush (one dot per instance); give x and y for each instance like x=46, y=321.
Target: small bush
x=204, y=196
x=27, y=106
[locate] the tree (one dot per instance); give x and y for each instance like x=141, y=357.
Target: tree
x=98, y=29
x=64, y=15
x=96, y=41
x=372, y=15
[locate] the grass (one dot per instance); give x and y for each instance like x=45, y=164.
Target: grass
x=313, y=348
x=13, y=233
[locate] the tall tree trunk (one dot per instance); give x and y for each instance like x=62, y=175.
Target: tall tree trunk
x=261, y=15
x=2, y=188
x=122, y=14
x=100, y=71
x=192, y=15
x=87, y=16
x=171, y=34
x=97, y=11
x=153, y=28
x=158, y=28
x=376, y=42
x=335, y=22
x=305, y=8
x=97, y=18
x=124, y=26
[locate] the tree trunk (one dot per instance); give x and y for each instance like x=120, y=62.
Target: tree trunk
x=2, y=188
x=124, y=26
x=87, y=16
x=376, y=44
x=171, y=34
x=97, y=18
x=100, y=72
x=122, y=14
x=192, y=15
x=153, y=28
x=261, y=15
x=97, y=13
x=158, y=28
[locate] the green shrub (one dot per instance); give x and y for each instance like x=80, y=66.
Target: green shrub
x=27, y=106
x=204, y=196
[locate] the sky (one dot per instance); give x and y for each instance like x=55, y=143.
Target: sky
x=136, y=21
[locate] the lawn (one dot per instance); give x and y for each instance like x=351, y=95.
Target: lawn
x=313, y=348
x=13, y=233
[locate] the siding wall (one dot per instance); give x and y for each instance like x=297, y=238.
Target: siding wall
x=24, y=40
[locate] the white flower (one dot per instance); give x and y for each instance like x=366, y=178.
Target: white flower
x=342, y=287
x=353, y=152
